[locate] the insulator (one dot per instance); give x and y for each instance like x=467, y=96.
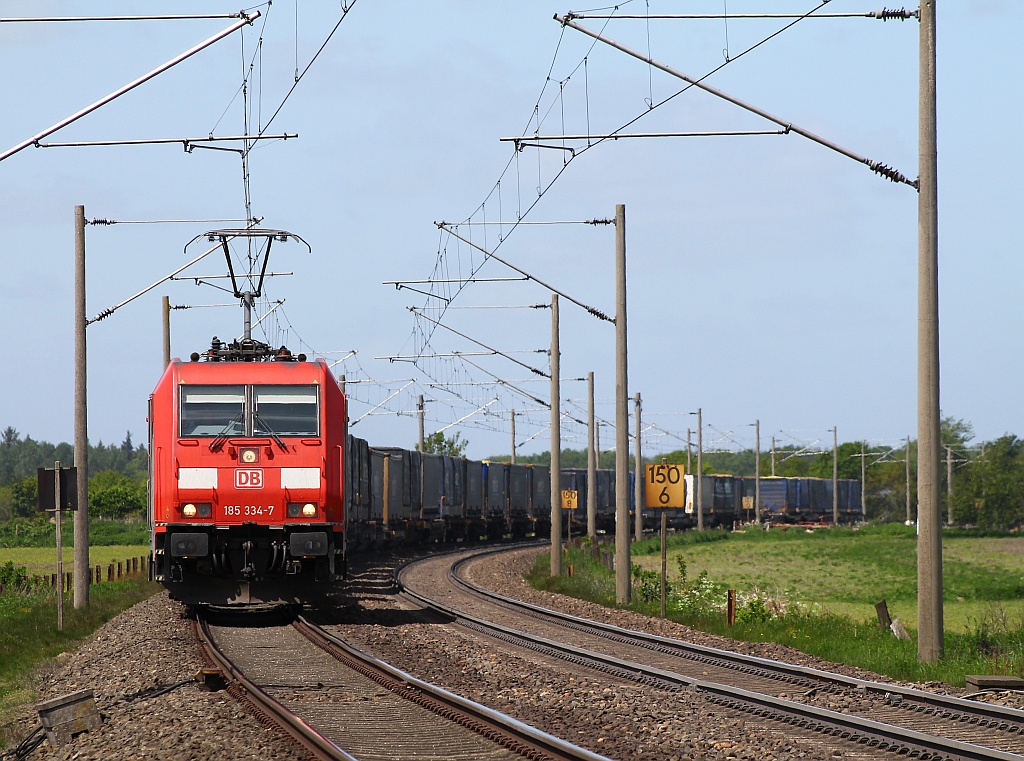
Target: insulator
x=891, y=13
x=890, y=173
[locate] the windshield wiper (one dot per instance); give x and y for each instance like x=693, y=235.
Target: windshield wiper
x=218, y=441
x=280, y=442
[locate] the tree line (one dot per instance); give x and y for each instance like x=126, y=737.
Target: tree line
x=117, y=475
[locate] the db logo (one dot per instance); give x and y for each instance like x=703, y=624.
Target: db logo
x=249, y=479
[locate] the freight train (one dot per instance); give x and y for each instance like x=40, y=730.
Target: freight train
x=258, y=492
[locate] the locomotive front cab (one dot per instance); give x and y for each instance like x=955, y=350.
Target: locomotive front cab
x=247, y=481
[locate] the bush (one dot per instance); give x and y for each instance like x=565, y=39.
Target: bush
x=11, y=576
x=114, y=495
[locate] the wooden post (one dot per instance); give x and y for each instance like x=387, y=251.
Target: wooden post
x=730, y=608
x=99, y=574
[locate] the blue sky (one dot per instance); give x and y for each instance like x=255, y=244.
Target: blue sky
x=768, y=277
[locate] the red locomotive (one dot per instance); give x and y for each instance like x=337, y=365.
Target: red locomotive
x=247, y=471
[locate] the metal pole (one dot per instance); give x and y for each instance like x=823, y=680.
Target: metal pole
x=906, y=459
x=556, y=447
x=591, y=462
x=247, y=315
x=757, y=468
x=773, y=456
x=420, y=412
x=930, y=644
x=81, y=595
x=60, y=549
x=597, y=443
x=638, y=479
x=512, y=420
x=700, y=472
x=949, y=486
x=245, y=20
x=835, y=476
x=623, y=563
x=863, y=483
x=165, y=311
x=664, y=563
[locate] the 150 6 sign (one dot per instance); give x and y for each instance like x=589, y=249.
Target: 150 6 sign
x=666, y=486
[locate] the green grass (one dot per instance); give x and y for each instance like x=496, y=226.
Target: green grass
x=39, y=532
x=847, y=571
x=29, y=635
x=43, y=560
x=837, y=575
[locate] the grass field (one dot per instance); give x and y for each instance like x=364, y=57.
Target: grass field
x=849, y=571
x=837, y=575
x=43, y=560
x=28, y=619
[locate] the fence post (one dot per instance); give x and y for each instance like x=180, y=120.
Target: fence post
x=110, y=572
x=730, y=609
x=99, y=574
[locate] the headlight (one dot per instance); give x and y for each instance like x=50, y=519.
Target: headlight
x=304, y=509
x=189, y=511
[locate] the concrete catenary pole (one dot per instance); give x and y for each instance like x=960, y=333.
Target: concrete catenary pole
x=166, y=314
x=591, y=462
x=556, y=447
x=930, y=636
x=949, y=486
x=835, y=476
x=689, y=448
x=81, y=421
x=700, y=472
x=341, y=382
x=638, y=479
x=420, y=412
x=623, y=563
x=773, y=456
x=512, y=422
x=757, y=469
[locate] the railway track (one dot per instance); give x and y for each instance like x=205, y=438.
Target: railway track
x=340, y=703
x=883, y=716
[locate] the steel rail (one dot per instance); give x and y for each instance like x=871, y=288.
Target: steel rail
x=847, y=726
x=273, y=712
x=501, y=728
x=946, y=702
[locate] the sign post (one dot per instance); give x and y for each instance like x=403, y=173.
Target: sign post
x=666, y=489
x=570, y=501
x=57, y=490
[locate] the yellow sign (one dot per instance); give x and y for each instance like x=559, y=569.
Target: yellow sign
x=748, y=503
x=570, y=499
x=665, y=486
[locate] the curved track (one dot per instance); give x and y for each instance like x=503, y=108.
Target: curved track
x=888, y=717
x=341, y=703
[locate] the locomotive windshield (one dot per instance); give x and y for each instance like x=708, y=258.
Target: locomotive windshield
x=212, y=410
x=286, y=411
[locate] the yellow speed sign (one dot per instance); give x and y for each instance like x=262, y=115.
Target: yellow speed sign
x=570, y=499
x=665, y=486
